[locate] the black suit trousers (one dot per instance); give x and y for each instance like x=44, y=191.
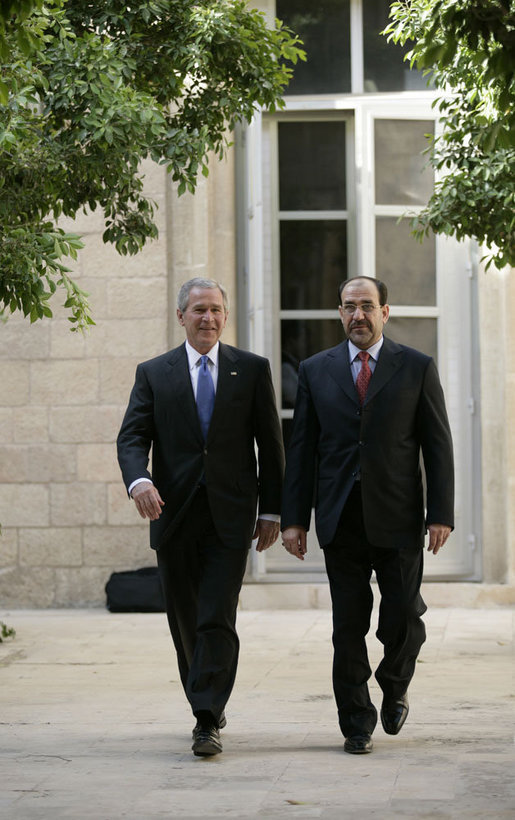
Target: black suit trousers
x=201, y=580
x=350, y=560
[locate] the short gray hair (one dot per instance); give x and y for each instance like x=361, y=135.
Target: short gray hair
x=197, y=282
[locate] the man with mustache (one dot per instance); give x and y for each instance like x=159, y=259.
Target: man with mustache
x=365, y=412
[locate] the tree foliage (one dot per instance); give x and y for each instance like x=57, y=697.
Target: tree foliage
x=468, y=49
x=87, y=91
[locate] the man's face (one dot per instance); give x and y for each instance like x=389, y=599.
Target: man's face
x=363, y=327
x=204, y=318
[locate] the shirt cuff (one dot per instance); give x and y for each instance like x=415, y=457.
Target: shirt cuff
x=270, y=517
x=138, y=481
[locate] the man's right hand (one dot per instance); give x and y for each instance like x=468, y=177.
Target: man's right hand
x=147, y=499
x=294, y=541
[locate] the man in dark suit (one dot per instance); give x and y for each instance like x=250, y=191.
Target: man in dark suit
x=204, y=407
x=364, y=413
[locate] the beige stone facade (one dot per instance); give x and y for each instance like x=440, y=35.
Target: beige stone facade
x=66, y=520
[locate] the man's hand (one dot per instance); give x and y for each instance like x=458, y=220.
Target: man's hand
x=147, y=499
x=294, y=541
x=266, y=532
x=438, y=535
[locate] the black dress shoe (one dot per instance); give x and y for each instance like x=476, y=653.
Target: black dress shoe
x=206, y=741
x=222, y=723
x=393, y=714
x=358, y=745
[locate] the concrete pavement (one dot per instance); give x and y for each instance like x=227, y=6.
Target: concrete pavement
x=94, y=723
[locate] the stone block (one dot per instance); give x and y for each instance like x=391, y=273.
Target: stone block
x=81, y=586
x=21, y=340
x=136, y=298
x=31, y=425
x=120, y=547
x=14, y=383
x=97, y=462
x=7, y=417
x=64, y=382
x=142, y=338
x=121, y=511
x=24, y=505
x=116, y=381
x=27, y=588
x=8, y=547
x=85, y=424
x=52, y=462
x=50, y=547
x=102, y=261
x=78, y=503
x=13, y=463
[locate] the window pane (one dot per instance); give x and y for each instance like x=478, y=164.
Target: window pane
x=406, y=266
x=312, y=166
x=313, y=263
x=418, y=333
x=324, y=27
x=402, y=171
x=301, y=338
x=385, y=67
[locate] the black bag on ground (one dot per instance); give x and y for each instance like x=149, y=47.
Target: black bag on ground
x=137, y=590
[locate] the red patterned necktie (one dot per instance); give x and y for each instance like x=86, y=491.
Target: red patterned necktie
x=364, y=376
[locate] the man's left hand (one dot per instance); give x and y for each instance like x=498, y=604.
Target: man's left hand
x=438, y=535
x=266, y=532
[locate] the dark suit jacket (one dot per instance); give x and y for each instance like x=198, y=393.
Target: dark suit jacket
x=162, y=413
x=403, y=414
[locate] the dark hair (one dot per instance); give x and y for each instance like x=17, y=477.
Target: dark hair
x=382, y=290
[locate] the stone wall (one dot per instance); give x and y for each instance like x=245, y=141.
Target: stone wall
x=67, y=522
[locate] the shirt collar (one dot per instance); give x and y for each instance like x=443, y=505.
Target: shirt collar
x=194, y=355
x=374, y=350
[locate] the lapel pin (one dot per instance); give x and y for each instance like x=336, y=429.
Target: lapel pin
x=233, y=373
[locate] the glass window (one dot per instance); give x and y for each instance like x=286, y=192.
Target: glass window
x=385, y=67
x=313, y=263
x=301, y=338
x=418, y=333
x=312, y=166
x=403, y=175
x=324, y=27
x=405, y=265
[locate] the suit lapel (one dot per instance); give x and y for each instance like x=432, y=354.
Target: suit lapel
x=338, y=365
x=390, y=359
x=179, y=375
x=228, y=374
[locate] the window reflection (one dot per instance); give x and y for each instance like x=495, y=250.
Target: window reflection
x=385, y=67
x=403, y=175
x=324, y=27
x=313, y=263
x=418, y=333
x=312, y=166
x=405, y=265
x=301, y=338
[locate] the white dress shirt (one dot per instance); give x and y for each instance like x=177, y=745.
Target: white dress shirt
x=356, y=363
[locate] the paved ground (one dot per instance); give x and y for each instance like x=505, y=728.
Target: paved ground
x=94, y=724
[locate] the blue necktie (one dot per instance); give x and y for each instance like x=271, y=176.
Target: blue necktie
x=205, y=395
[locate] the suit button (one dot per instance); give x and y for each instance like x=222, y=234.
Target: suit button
x=361, y=443
x=205, y=451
